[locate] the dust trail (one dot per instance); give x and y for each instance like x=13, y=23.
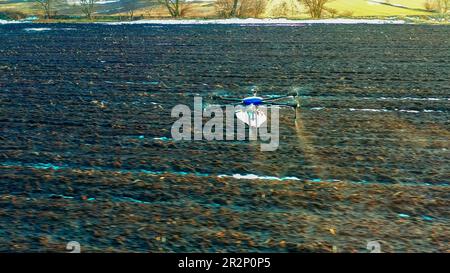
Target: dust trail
x=319, y=166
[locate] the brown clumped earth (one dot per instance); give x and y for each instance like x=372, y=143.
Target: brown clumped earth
x=110, y=211
x=86, y=152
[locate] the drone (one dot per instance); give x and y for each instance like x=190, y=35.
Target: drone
x=251, y=112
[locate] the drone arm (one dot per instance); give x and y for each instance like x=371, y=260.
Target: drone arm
x=291, y=105
x=277, y=98
x=288, y=96
x=227, y=99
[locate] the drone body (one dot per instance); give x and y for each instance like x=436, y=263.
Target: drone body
x=252, y=100
x=252, y=115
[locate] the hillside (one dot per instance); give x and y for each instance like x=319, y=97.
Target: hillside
x=205, y=8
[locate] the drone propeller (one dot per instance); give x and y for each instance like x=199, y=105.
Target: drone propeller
x=254, y=89
x=304, y=90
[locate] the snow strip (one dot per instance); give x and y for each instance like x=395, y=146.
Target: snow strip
x=252, y=21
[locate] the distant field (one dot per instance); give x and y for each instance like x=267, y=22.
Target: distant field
x=275, y=8
x=356, y=8
x=367, y=8
x=25, y=7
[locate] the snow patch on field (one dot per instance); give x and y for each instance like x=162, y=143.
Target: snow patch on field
x=4, y=22
x=243, y=22
x=254, y=176
x=252, y=21
x=37, y=29
x=100, y=2
x=381, y=110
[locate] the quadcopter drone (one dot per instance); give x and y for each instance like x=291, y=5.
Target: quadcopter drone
x=252, y=115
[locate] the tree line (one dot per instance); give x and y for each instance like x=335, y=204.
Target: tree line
x=441, y=6
x=224, y=8
x=48, y=7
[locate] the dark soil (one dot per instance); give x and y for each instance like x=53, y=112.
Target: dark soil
x=83, y=108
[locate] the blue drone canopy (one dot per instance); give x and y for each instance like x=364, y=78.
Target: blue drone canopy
x=252, y=100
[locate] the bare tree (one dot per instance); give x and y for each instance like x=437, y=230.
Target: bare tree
x=130, y=14
x=333, y=12
x=46, y=6
x=251, y=8
x=429, y=5
x=185, y=9
x=315, y=7
x=130, y=7
x=283, y=9
x=347, y=13
x=148, y=12
x=234, y=8
x=228, y=8
x=88, y=7
x=176, y=8
x=443, y=5
x=224, y=8
x=240, y=8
